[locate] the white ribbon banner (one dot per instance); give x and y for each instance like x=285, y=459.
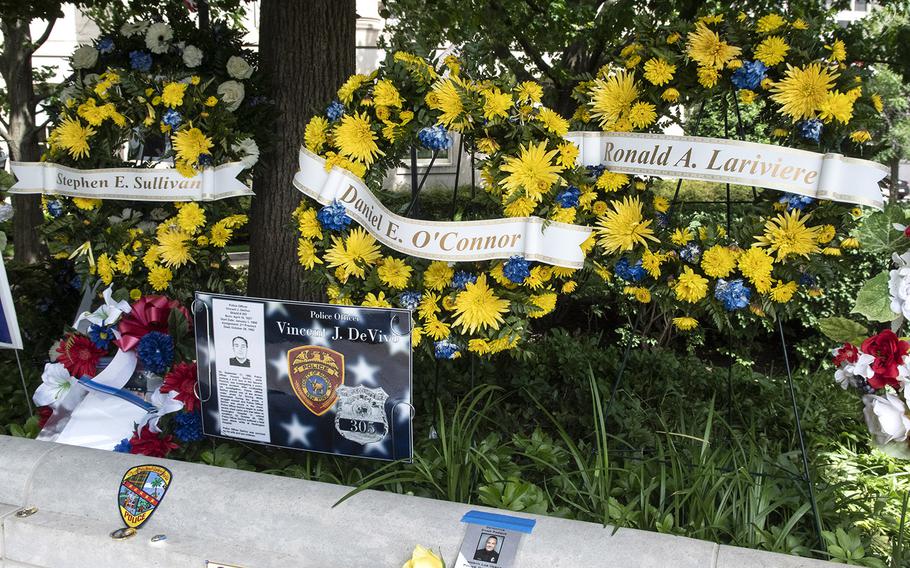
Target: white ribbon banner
x=822, y=176
x=533, y=238
x=130, y=184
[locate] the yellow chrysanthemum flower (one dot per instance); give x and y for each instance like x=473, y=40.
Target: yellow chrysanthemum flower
x=72, y=137
x=190, y=143
x=86, y=203
x=174, y=248
x=568, y=154
x=877, y=103
x=860, y=136
x=799, y=24
x=306, y=254
x=670, y=95
x=160, y=277
x=746, y=96
x=172, y=94
x=611, y=181
x=718, y=261
x=772, y=50
x=496, y=103
x=651, y=262
x=91, y=112
x=836, y=106
x=353, y=254
x=673, y=38
x=105, y=268
x=445, y=97
x=850, y=243
x=355, y=138
x=640, y=293
x=385, y=94
x=623, y=227
x=545, y=304
x=642, y=114
x=838, y=50
x=477, y=307
x=612, y=98
x=826, y=233
x=782, y=293
x=681, y=236
x=346, y=91
x=690, y=287
x=394, y=272
x=529, y=92
x=372, y=300
x=315, y=134
x=707, y=77
x=658, y=71
x=706, y=48
x=685, y=323
x=756, y=265
x=519, y=207
x=788, y=234
x=533, y=171
x=769, y=23
x=803, y=90
x=553, y=122
x=191, y=217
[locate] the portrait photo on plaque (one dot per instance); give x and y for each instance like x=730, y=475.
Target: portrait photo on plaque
x=307, y=376
x=491, y=540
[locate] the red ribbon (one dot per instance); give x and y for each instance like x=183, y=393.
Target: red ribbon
x=149, y=313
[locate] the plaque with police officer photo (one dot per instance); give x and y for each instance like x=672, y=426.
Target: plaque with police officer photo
x=307, y=376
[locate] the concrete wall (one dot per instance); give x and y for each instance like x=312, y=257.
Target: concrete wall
x=250, y=519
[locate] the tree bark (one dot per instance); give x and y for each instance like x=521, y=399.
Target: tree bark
x=306, y=51
x=21, y=135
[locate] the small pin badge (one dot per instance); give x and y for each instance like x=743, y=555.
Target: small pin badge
x=22, y=513
x=141, y=491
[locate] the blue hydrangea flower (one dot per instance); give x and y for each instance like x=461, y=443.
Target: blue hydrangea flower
x=172, y=118
x=141, y=60
x=596, y=171
x=188, y=426
x=796, y=201
x=434, y=138
x=690, y=253
x=106, y=45
x=54, y=208
x=733, y=294
x=662, y=219
x=335, y=111
x=568, y=197
x=462, y=279
x=750, y=75
x=445, y=349
x=806, y=279
x=409, y=299
x=810, y=129
x=156, y=351
x=333, y=217
x=76, y=282
x=629, y=272
x=101, y=335
x=517, y=269
x=205, y=160
x=124, y=447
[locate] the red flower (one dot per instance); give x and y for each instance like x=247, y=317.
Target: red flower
x=149, y=313
x=79, y=355
x=148, y=443
x=44, y=414
x=907, y=232
x=889, y=351
x=846, y=354
x=182, y=379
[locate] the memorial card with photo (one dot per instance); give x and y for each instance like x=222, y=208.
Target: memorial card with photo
x=9, y=324
x=307, y=376
x=491, y=540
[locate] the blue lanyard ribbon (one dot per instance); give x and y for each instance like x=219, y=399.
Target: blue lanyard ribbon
x=119, y=393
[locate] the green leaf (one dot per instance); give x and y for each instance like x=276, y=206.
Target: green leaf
x=873, y=301
x=843, y=330
x=877, y=234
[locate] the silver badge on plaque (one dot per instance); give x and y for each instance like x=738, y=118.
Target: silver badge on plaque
x=360, y=414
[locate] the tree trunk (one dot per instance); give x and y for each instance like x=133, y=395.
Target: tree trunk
x=306, y=50
x=22, y=136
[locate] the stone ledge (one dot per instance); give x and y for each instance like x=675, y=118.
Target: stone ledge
x=252, y=519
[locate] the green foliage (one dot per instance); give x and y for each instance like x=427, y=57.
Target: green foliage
x=848, y=548
x=876, y=231
x=873, y=301
x=843, y=330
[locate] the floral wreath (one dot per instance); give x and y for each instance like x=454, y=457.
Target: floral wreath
x=527, y=166
x=158, y=330
x=810, y=98
x=199, y=103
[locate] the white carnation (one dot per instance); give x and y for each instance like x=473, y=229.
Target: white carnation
x=192, y=56
x=899, y=285
x=886, y=418
x=238, y=68
x=231, y=93
x=250, y=151
x=158, y=37
x=85, y=57
x=130, y=29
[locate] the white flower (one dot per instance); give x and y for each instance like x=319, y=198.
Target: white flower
x=899, y=285
x=52, y=353
x=165, y=403
x=130, y=29
x=109, y=312
x=231, y=93
x=845, y=375
x=57, y=381
x=886, y=418
x=85, y=57
x=6, y=211
x=158, y=37
x=192, y=56
x=238, y=68
x=250, y=151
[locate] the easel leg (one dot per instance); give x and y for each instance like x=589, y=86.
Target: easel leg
x=28, y=399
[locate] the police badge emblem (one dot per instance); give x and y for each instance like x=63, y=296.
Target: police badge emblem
x=141, y=491
x=361, y=415
x=315, y=374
